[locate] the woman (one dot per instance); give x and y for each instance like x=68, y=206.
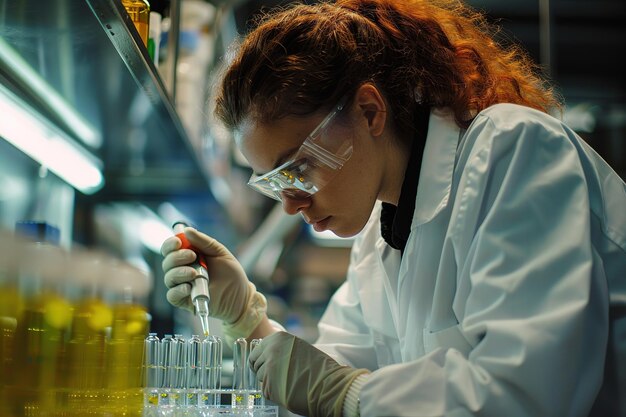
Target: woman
x=489, y=233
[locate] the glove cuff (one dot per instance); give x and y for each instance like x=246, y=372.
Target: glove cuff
x=255, y=311
x=351, y=403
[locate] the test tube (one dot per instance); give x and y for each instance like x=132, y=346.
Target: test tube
x=212, y=371
x=194, y=369
x=200, y=285
x=179, y=353
x=255, y=397
x=240, y=370
x=152, y=370
x=167, y=369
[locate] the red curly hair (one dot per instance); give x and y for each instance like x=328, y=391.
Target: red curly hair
x=301, y=59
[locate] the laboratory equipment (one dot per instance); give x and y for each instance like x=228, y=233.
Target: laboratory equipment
x=179, y=355
x=199, y=388
x=166, y=362
x=82, y=384
x=194, y=370
x=125, y=346
x=240, y=372
x=11, y=307
x=153, y=368
x=44, y=323
x=73, y=337
x=127, y=288
x=212, y=370
x=154, y=38
x=200, y=285
x=139, y=12
x=255, y=396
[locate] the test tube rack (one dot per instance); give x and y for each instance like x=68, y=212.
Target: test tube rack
x=184, y=378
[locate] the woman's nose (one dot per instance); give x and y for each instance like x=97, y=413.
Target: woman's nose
x=295, y=202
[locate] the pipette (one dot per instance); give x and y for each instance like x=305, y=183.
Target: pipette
x=200, y=285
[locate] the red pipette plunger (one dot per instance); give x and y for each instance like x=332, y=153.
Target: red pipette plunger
x=200, y=285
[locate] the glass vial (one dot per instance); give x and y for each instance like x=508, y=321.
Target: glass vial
x=139, y=12
x=255, y=396
x=152, y=370
x=212, y=371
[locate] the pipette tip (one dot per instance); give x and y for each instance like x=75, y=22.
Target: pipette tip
x=204, y=321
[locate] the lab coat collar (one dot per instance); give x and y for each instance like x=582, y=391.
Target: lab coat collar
x=433, y=191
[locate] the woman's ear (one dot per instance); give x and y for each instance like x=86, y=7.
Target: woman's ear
x=372, y=105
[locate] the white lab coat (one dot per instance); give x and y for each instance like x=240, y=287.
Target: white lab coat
x=499, y=305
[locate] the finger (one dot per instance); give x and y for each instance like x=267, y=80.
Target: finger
x=265, y=385
x=179, y=275
x=257, y=358
x=254, y=355
x=178, y=258
x=260, y=374
x=205, y=243
x=170, y=244
x=179, y=296
x=264, y=350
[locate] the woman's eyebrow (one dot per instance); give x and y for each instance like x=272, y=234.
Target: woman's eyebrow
x=282, y=158
x=285, y=156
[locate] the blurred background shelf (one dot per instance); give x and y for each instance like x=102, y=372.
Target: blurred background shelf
x=90, y=54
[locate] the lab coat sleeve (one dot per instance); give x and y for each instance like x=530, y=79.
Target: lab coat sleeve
x=343, y=333
x=535, y=314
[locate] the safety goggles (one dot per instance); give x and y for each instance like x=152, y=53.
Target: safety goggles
x=315, y=163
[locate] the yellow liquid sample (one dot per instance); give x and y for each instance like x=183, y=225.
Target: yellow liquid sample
x=11, y=307
x=86, y=348
x=38, y=352
x=124, y=358
x=139, y=12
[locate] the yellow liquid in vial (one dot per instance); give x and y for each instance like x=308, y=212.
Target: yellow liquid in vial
x=10, y=309
x=124, y=359
x=86, y=348
x=139, y=12
x=7, y=333
x=38, y=354
x=125, y=348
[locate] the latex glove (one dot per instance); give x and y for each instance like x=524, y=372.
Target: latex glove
x=234, y=299
x=300, y=377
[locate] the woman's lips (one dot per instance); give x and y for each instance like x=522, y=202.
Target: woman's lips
x=321, y=225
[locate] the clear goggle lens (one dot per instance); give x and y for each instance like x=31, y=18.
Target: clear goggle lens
x=318, y=160
x=290, y=178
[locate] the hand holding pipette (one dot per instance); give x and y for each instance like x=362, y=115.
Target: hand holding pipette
x=234, y=299
x=200, y=285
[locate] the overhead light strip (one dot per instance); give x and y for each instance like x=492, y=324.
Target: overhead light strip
x=57, y=103
x=31, y=133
